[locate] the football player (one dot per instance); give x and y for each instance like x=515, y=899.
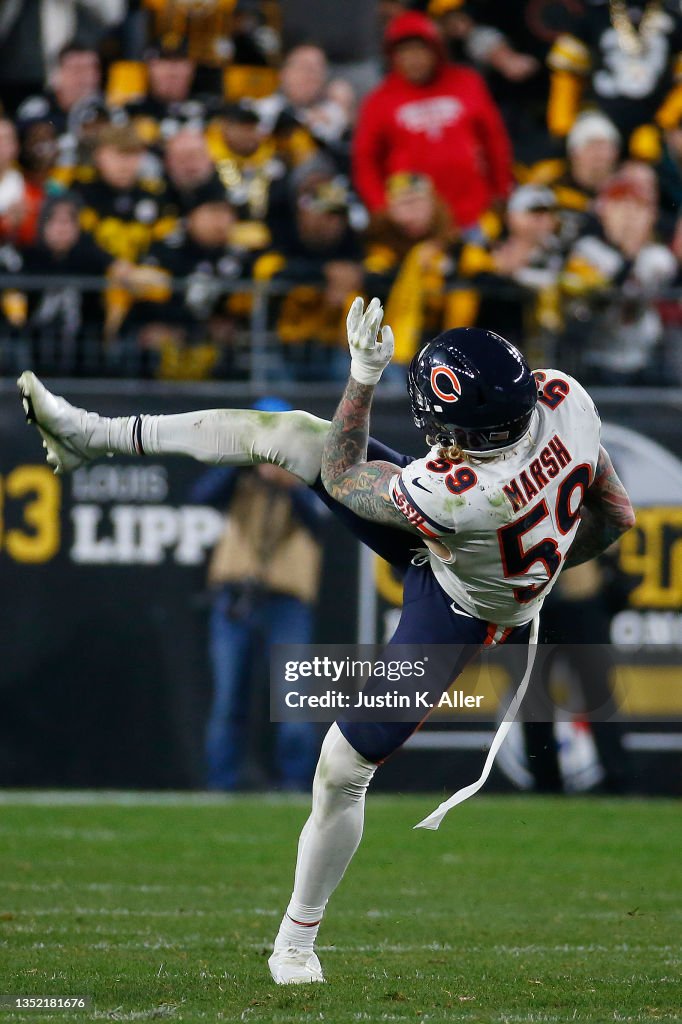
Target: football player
x=515, y=486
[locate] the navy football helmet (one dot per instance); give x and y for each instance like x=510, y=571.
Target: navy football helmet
x=472, y=388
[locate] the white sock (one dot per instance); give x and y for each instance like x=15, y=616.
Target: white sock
x=117, y=434
x=329, y=838
x=232, y=437
x=103, y=434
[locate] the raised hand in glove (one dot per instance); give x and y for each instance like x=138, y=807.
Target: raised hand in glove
x=371, y=346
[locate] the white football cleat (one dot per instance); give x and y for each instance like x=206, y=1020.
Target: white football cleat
x=67, y=431
x=291, y=966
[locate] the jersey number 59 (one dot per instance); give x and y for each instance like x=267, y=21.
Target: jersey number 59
x=517, y=561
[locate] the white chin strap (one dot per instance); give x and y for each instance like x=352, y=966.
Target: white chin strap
x=434, y=819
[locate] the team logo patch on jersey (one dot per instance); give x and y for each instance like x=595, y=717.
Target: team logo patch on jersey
x=445, y=383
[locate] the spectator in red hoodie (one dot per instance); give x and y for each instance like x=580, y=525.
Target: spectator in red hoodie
x=434, y=118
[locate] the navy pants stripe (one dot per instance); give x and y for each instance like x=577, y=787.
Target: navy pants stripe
x=427, y=620
x=428, y=617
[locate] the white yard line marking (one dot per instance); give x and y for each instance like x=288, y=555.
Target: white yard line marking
x=124, y=798
x=445, y=947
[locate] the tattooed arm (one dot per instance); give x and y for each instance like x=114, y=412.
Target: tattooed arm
x=359, y=485
x=605, y=515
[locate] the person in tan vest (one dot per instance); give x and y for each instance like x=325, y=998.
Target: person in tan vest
x=264, y=577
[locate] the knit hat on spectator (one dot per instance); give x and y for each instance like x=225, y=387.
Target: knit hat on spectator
x=623, y=187
x=532, y=199
x=122, y=137
x=326, y=197
x=94, y=112
x=71, y=199
x=211, y=191
x=171, y=46
x=241, y=112
x=437, y=8
x=590, y=127
x=34, y=110
x=312, y=170
x=406, y=181
x=413, y=25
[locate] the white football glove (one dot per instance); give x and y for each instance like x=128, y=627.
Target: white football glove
x=370, y=350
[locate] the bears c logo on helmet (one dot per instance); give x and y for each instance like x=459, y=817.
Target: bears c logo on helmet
x=444, y=377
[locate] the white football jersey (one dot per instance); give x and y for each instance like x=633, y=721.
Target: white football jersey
x=503, y=525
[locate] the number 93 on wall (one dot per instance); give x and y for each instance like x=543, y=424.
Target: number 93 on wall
x=30, y=504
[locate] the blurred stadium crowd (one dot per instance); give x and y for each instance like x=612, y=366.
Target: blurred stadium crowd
x=196, y=189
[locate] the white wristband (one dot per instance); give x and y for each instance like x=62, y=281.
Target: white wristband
x=363, y=374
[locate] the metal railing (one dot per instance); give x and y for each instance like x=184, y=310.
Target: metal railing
x=59, y=335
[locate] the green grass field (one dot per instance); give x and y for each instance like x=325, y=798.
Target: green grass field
x=516, y=910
